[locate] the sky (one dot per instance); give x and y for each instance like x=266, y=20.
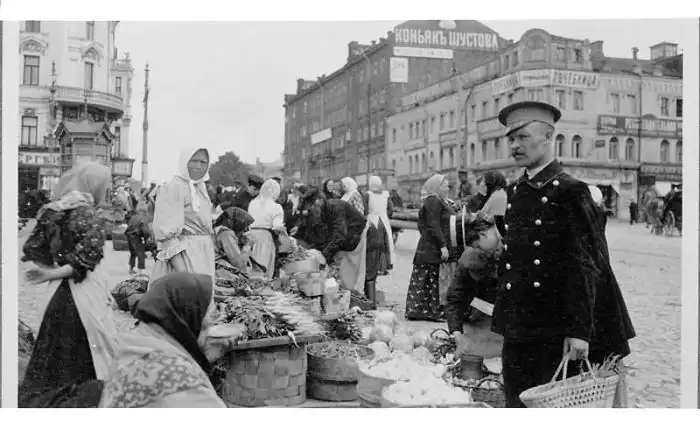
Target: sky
x=221, y=85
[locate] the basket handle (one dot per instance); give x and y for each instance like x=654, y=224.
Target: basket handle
x=432, y=334
x=488, y=378
x=563, y=366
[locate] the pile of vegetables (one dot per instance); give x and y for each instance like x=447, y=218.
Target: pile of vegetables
x=402, y=367
x=386, y=338
x=275, y=316
x=299, y=254
x=345, y=327
x=425, y=391
x=338, y=350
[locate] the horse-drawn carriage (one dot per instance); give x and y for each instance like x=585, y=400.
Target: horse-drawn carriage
x=665, y=214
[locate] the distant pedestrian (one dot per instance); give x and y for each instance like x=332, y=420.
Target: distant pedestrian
x=634, y=212
x=137, y=233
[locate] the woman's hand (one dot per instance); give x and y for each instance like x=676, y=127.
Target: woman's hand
x=444, y=254
x=177, y=262
x=39, y=275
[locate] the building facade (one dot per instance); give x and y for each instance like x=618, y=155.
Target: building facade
x=620, y=127
x=335, y=125
x=75, y=91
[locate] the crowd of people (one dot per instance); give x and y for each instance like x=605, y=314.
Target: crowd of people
x=530, y=257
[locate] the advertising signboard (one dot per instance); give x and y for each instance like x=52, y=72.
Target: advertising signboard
x=423, y=52
x=454, y=35
x=650, y=126
x=398, y=70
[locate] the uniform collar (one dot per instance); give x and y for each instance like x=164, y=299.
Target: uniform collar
x=533, y=172
x=542, y=174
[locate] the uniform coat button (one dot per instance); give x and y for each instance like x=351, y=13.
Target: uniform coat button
x=536, y=262
x=544, y=200
x=508, y=206
x=505, y=226
x=537, y=243
x=505, y=247
x=508, y=266
x=555, y=183
x=508, y=286
x=536, y=284
x=538, y=222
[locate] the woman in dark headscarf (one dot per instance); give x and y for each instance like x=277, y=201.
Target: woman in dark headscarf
x=331, y=189
x=78, y=336
x=232, y=250
x=166, y=360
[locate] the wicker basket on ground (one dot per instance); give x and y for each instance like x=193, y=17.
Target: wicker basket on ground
x=334, y=379
x=267, y=372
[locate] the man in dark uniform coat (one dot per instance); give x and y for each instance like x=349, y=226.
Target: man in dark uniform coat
x=558, y=294
x=245, y=196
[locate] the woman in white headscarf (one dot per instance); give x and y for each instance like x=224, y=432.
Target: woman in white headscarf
x=182, y=225
x=352, y=195
x=269, y=218
x=379, y=209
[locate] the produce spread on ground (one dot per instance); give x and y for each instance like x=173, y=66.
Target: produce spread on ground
x=345, y=353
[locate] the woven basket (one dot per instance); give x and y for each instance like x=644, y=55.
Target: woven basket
x=493, y=397
x=581, y=391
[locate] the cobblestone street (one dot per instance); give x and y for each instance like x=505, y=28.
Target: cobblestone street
x=648, y=268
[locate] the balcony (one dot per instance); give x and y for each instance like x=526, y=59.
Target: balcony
x=103, y=100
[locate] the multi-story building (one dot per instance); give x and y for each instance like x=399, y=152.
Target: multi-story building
x=620, y=127
x=335, y=125
x=75, y=94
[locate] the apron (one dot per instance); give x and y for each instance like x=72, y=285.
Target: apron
x=353, y=265
x=377, y=205
x=96, y=308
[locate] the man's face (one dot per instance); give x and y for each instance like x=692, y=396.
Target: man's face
x=490, y=241
x=530, y=146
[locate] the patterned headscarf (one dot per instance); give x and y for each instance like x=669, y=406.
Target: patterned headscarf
x=184, y=174
x=85, y=185
x=432, y=187
x=235, y=219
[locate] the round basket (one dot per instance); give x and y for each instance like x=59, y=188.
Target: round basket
x=493, y=397
x=329, y=390
x=336, y=369
x=369, y=388
x=271, y=376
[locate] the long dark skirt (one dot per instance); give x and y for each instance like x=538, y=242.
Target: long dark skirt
x=371, y=269
x=423, y=299
x=60, y=372
x=384, y=261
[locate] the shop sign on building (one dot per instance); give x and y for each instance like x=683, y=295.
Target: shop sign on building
x=320, y=136
x=424, y=52
x=535, y=78
x=575, y=79
x=666, y=173
x=398, y=70
x=446, y=38
x=650, y=126
x=38, y=158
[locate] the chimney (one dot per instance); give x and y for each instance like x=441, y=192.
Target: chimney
x=374, y=42
x=300, y=85
x=382, y=40
x=597, y=49
x=635, y=52
x=351, y=46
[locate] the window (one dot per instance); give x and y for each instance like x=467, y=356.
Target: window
x=30, y=131
x=506, y=63
x=410, y=130
x=615, y=100
x=442, y=159
x=462, y=156
x=536, y=94
x=452, y=119
x=473, y=113
x=632, y=104
x=515, y=58
x=561, y=99
x=452, y=157
x=665, y=151
x=578, y=55
x=484, y=109
x=510, y=98
x=117, y=140
x=305, y=107
x=90, y=30
x=32, y=26
x=393, y=136
x=423, y=124
x=561, y=54
x=496, y=104
x=410, y=165
x=31, y=71
x=472, y=154
x=629, y=149
x=461, y=116
x=679, y=151
x=432, y=124
x=374, y=130
x=664, y=106
x=442, y=122
x=679, y=107
x=576, y=146
x=484, y=149
x=614, y=149
x=118, y=85
x=497, y=148
x=393, y=164
x=578, y=100
x=424, y=163
x=559, y=144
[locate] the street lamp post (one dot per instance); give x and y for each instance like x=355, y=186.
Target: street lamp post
x=369, y=116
